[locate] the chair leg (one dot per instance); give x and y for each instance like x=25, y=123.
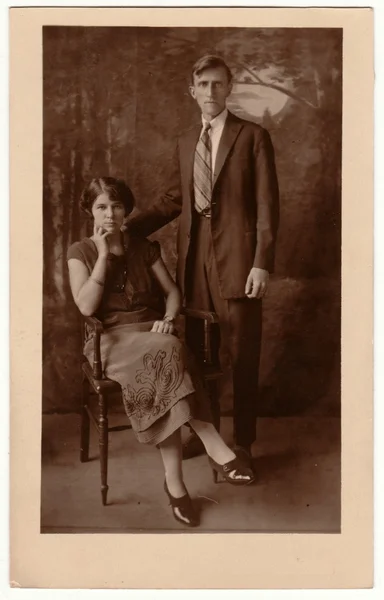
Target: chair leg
x=215, y=404
x=103, y=446
x=84, y=436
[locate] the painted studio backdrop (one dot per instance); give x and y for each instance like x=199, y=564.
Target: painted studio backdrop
x=114, y=99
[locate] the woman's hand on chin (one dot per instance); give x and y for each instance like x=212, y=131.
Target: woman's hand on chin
x=101, y=242
x=163, y=327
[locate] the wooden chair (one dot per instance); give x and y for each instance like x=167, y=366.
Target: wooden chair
x=95, y=382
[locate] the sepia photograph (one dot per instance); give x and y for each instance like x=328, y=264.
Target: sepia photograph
x=191, y=298
x=191, y=357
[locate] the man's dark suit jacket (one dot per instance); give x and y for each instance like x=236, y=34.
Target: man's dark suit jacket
x=245, y=204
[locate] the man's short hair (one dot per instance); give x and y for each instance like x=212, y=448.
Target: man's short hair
x=210, y=61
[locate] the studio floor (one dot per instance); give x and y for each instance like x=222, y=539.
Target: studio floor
x=297, y=462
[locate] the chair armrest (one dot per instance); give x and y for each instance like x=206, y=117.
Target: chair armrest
x=94, y=324
x=210, y=319
x=97, y=329
x=204, y=315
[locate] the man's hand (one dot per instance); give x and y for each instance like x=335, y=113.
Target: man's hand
x=257, y=283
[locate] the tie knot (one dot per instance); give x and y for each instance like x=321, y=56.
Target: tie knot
x=207, y=127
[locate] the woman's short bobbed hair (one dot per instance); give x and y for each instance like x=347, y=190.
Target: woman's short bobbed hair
x=114, y=188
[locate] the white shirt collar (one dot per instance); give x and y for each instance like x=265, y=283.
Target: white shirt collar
x=218, y=121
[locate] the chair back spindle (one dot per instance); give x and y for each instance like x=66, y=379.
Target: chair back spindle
x=96, y=367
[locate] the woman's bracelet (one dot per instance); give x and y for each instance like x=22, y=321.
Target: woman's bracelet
x=97, y=281
x=169, y=319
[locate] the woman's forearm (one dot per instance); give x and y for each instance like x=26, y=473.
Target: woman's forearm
x=90, y=294
x=173, y=303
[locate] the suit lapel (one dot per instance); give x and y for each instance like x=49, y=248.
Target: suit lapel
x=232, y=127
x=190, y=142
x=231, y=130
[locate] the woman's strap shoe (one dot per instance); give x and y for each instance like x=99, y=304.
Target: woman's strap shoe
x=234, y=472
x=183, y=509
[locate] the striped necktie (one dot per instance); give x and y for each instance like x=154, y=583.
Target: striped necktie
x=202, y=172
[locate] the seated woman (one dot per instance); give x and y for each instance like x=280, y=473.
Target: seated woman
x=118, y=279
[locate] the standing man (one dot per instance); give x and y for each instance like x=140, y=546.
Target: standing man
x=224, y=187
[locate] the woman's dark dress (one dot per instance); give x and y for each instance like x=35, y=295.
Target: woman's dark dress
x=161, y=386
